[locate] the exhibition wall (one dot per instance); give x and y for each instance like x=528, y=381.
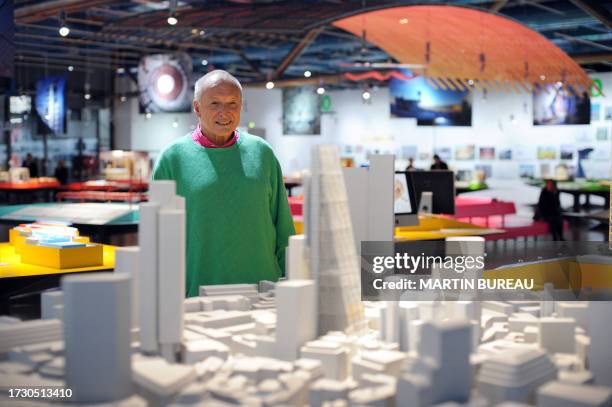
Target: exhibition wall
x=502, y=124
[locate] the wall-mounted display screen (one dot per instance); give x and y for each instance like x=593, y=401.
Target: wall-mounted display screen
x=51, y=103
x=415, y=98
x=554, y=105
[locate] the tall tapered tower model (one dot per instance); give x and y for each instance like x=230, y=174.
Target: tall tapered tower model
x=329, y=233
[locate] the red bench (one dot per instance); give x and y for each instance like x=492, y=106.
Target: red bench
x=492, y=213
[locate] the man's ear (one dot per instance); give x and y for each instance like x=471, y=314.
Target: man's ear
x=196, y=107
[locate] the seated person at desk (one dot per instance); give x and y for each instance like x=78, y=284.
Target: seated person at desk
x=61, y=172
x=438, y=164
x=549, y=209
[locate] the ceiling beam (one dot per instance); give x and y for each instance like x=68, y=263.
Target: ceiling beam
x=286, y=83
x=592, y=58
x=296, y=51
x=41, y=11
x=595, y=9
x=582, y=41
x=498, y=5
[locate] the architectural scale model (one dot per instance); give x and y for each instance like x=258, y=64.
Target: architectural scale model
x=130, y=338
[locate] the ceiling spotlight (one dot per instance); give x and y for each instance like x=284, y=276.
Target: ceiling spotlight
x=172, y=20
x=366, y=95
x=202, y=32
x=122, y=98
x=205, y=62
x=148, y=115
x=471, y=81
x=403, y=21
x=307, y=74
x=175, y=123
x=63, y=30
x=320, y=90
x=87, y=96
x=542, y=77
x=70, y=68
x=269, y=85
x=121, y=70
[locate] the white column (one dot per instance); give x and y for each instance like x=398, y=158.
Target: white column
x=295, y=259
x=296, y=318
x=171, y=289
x=97, y=336
x=127, y=261
x=147, y=240
x=600, y=331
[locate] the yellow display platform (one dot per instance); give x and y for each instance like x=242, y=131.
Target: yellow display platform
x=433, y=227
x=11, y=265
x=561, y=273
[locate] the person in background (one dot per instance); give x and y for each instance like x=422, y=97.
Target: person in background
x=438, y=164
x=61, y=172
x=30, y=163
x=410, y=166
x=549, y=209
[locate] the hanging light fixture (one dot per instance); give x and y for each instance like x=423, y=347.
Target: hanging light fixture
x=320, y=90
x=63, y=27
x=172, y=20
x=269, y=85
x=307, y=74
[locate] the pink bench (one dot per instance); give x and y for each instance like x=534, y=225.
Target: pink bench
x=492, y=213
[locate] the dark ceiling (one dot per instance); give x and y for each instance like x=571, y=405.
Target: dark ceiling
x=259, y=40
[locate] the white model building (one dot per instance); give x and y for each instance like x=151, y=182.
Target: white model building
x=329, y=235
x=296, y=317
x=97, y=336
x=162, y=270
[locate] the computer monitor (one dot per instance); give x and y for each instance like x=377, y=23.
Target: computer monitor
x=441, y=185
x=404, y=203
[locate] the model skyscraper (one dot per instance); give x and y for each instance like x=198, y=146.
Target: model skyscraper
x=333, y=259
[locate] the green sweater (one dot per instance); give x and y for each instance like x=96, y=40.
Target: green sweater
x=238, y=217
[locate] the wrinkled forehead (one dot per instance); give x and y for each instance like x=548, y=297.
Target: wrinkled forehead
x=221, y=87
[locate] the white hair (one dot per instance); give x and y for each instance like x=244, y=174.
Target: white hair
x=211, y=79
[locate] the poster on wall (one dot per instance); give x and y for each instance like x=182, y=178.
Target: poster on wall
x=567, y=151
x=466, y=152
x=601, y=134
x=486, y=169
x=554, y=105
x=444, y=153
x=301, y=112
x=164, y=82
x=547, y=153
x=595, y=112
x=409, y=151
x=415, y=98
x=524, y=152
x=526, y=171
x=487, y=153
x=51, y=103
x=505, y=154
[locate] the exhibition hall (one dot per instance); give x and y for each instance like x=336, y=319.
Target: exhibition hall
x=306, y=203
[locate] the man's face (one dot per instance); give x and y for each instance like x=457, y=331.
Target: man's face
x=219, y=109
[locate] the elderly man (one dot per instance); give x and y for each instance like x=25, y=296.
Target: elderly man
x=238, y=218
